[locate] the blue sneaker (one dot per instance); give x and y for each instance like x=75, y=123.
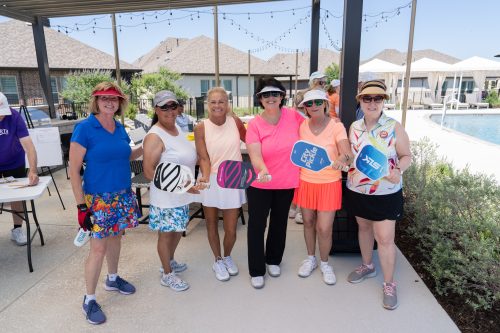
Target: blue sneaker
x=120, y=285
x=93, y=312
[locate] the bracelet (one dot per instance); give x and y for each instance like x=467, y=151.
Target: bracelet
x=400, y=171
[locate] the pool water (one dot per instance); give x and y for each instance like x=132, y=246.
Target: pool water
x=482, y=126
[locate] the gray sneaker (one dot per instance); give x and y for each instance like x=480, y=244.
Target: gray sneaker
x=361, y=273
x=17, y=235
x=93, y=312
x=390, y=296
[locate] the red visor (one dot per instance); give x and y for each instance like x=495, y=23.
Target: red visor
x=108, y=92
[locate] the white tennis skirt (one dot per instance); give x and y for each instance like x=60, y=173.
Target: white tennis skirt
x=222, y=198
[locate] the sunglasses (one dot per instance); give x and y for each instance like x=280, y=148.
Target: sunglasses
x=322, y=83
x=169, y=107
x=271, y=93
x=106, y=99
x=318, y=102
x=377, y=99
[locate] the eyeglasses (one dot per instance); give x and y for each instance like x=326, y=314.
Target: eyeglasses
x=169, y=107
x=106, y=99
x=377, y=99
x=310, y=103
x=271, y=93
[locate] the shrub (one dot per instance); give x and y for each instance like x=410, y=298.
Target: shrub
x=80, y=84
x=455, y=218
x=492, y=98
x=131, y=111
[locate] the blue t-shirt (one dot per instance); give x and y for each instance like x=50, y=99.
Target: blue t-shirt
x=107, y=162
x=12, y=128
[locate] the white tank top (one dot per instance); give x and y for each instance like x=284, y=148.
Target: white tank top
x=177, y=149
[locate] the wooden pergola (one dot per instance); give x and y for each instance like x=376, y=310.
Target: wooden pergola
x=38, y=12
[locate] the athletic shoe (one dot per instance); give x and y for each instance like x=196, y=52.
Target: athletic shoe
x=174, y=282
x=328, y=274
x=220, y=270
x=361, y=273
x=175, y=267
x=120, y=285
x=390, y=296
x=17, y=235
x=231, y=267
x=298, y=218
x=291, y=213
x=307, y=267
x=274, y=270
x=93, y=312
x=257, y=282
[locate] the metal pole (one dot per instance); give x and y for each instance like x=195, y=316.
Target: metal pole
x=314, y=36
x=296, y=70
x=216, y=46
x=117, y=59
x=249, y=86
x=408, y=61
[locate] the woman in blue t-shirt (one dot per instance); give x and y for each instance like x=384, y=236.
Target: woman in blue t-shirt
x=106, y=204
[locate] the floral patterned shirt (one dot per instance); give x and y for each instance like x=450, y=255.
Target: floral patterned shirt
x=382, y=137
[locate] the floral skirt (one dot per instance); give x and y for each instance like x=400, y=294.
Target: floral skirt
x=168, y=219
x=113, y=212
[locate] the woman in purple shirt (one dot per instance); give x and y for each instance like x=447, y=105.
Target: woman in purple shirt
x=14, y=143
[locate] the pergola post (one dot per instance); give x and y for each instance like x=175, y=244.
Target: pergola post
x=43, y=62
x=314, y=36
x=351, y=41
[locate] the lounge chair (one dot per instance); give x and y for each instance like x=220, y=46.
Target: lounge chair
x=389, y=106
x=472, y=100
x=428, y=103
x=457, y=104
x=415, y=106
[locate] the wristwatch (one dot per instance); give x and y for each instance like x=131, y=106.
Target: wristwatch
x=82, y=207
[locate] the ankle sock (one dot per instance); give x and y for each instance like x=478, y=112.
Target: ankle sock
x=324, y=263
x=16, y=226
x=313, y=258
x=112, y=277
x=89, y=298
x=370, y=266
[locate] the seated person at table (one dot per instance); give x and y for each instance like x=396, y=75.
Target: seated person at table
x=14, y=143
x=184, y=120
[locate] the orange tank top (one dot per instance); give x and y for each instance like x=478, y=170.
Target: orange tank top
x=333, y=133
x=223, y=142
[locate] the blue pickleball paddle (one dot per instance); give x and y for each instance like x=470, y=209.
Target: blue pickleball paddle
x=372, y=162
x=310, y=156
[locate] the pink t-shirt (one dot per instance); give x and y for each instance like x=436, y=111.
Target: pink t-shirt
x=276, y=146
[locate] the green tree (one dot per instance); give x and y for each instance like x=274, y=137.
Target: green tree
x=145, y=85
x=332, y=72
x=80, y=84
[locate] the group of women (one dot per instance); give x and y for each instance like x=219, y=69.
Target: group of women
x=107, y=206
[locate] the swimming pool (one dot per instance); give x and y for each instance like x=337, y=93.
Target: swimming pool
x=482, y=126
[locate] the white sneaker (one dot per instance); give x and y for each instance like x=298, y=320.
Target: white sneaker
x=220, y=270
x=274, y=270
x=291, y=213
x=257, y=282
x=231, y=267
x=175, y=267
x=174, y=282
x=298, y=218
x=17, y=235
x=307, y=267
x=328, y=274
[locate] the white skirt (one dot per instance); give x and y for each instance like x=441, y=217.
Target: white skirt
x=222, y=198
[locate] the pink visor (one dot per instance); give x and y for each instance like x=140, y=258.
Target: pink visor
x=108, y=92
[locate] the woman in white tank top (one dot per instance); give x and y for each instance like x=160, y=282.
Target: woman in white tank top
x=168, y=212
x=218, y=139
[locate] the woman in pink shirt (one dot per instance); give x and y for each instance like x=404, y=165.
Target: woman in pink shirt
x=270, y=138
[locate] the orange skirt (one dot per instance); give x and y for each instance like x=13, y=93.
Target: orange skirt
x=322, y=197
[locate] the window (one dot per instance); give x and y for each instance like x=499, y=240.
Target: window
x=8, y=85
x=207, y=84
x=57, y=83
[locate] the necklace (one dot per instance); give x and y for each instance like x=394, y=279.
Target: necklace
x=319, y=128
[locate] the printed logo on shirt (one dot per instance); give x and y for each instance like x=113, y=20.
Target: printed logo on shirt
x=4, y=131
x=383, y=134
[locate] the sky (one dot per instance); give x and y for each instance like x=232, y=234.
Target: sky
x=458, y=28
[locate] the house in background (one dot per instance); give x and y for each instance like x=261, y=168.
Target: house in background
x=194, y=59
x=288, y=60
x=19, y=78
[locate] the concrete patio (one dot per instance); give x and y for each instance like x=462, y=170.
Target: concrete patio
x=49, y=299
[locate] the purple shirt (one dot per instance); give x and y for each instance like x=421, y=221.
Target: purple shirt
x=12, y=128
